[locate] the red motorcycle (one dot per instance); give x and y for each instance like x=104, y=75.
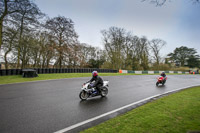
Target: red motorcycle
x=161, y=80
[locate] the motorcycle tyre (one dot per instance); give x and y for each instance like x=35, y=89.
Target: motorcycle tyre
x=163, y=83
x=157, y=83
x=104, y=91
x=85, y=97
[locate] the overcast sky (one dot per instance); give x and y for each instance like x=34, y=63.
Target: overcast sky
x=177, y=22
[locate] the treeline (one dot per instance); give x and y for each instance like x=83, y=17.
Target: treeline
x=29, y=39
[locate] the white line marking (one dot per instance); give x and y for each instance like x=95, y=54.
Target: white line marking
x=113, y=111
x=100, y=116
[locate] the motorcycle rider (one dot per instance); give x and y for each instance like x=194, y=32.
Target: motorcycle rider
x=163, y=75
x=98, y=81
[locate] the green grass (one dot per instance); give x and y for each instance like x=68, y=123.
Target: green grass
x=18, y=78
x=176, y=113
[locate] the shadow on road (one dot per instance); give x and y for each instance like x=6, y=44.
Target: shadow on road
x=161, y=86
x=93, y=101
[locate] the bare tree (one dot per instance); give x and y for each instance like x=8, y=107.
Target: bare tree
x=113, y=40
x=124, y=50
x=62, y=31
x=128, y=50
x=156, y=45
x=84, y=53
x=162, y=2
x=7, y=7
x=142, y=52
x=27, y=18
x=42, y=50
x=35, y=52
x=49, y=51
x=72, y=53
x=88, y=53
x=9, y=40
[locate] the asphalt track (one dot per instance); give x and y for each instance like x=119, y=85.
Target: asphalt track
x=49, y=106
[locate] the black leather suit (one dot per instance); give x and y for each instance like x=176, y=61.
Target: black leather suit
x=98, y=82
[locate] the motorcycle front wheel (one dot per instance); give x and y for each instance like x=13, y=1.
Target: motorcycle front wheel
x=157, y=83
x=104, y=91
x=83, y=95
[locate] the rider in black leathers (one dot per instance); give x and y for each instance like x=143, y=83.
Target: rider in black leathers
x=163, y=75
x=98, y=81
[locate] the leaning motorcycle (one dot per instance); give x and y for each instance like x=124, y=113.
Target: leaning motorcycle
x=161, y=80
x=88, y=91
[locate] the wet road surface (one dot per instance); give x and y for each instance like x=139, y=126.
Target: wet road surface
x=49, y=106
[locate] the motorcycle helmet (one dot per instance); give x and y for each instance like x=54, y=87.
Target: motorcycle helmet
x=94, y=73
x=163, y=73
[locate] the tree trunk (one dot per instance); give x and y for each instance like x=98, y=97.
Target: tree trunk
x=24, y=58
x=20, y=41
x=43, y=62
x=47, y=63
x=5, y=59
x=35, y=61
x=1, y=32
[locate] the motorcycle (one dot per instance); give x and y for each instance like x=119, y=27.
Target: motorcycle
x=88, y=91
x=161, y=80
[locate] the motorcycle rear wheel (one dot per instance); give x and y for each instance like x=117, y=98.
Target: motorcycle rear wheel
x=83, y=95
x=104, y=91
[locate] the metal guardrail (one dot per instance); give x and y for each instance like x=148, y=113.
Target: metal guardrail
x=156, y=72
x=5, y=72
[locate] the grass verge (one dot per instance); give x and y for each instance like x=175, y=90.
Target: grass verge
x=18, y=78
x=176, y=113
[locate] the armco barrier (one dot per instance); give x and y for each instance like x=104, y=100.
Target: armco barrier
x=175, y=71
x=150, y=72
x=144, y=72
x=4, y=72
x=156, y=71
x=124, y=71
x=138, y=72
x=171, y=71
x=160, y=72
x=179, y=72
x=166, y=71
x=130, y=71
x=153, y=72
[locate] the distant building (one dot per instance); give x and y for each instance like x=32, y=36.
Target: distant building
x=175, y=63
